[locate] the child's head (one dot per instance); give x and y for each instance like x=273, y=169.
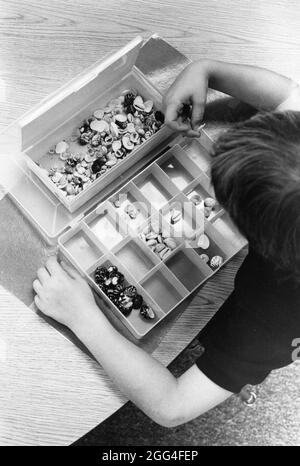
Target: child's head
x=256, y=177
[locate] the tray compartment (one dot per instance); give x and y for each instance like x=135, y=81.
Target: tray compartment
x=198, y=154
x=229, y=232
x=134, y=322
x=82, y=247
x=163, y=233
x=90, y=98
x=156, y=186
x=190, y=219
x=188, y=268
x=136, y=257
x=164, y=288
x=131, y=197
x=201, y=187
x=218, y=246
x=106, y=225
x=178, y=167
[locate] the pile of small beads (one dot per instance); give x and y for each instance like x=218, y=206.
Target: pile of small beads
x=125, y=298
x=158, y=241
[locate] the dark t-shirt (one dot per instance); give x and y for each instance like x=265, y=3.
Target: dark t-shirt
x=252, y=333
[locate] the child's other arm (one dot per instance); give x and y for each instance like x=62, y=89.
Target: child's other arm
x=261, y=88
x=63, y=295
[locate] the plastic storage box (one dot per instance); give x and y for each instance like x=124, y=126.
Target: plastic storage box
x=57, y=118
x=109, y=236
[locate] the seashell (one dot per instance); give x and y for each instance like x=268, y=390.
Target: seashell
x=148, y=105
x=81, y=170
x=104, y=150
x=63, y=182
x=108, y=140
x=176, y=216
x=204, y=257
x=117, y=203
x=151, y=242
x=61, y=147
x=64, y=156
x=142, y=236
x=159, y=247
x=119, y=153
x=170, y=243
x=164, y=253
x=216, y=261
x=141, y=131
x=138, y=103
x=127, y=143
x=203, y=241
x=111, y=163
x=196, y=199
x=207, y=211
x=159, y=238
x=210, y=202
x=151, y=235
x=147, y=312
x=89, y=158
x=130, y=128
x=99, y=114
x=57, y=177
x=121, y=120
x=135, y=138
x=130, y=117
x=116, y=145
x=101, y=126
x=70, y=190
x=114, y=130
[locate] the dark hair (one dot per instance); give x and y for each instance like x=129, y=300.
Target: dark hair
x=256, y=177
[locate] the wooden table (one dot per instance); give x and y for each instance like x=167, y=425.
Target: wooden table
x=51, y=392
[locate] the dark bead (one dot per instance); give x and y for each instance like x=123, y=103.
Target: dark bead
x=100, y=274
x=147, y=312
x=112, y=268
x=97, y=165
x=125, y=309
x=159, y=116
x=129, y=99
x=130, y=291
x=137, y=301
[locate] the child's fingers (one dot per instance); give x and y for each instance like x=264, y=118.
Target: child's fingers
x=52, y=265
x=70, y=270
x=37, y=286
x=43, y=275
x=171, y=118
x=38, y=302
x=197, y=114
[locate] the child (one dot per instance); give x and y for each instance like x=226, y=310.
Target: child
x=256, y=176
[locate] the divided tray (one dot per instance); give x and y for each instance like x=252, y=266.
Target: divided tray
x=159, y=200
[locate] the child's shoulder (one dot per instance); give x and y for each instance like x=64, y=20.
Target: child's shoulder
x=292, y=102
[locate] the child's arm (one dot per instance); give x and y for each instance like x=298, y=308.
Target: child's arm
x=262, y=89
x=67, y=298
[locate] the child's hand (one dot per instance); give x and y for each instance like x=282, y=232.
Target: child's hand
x=190, y=87
x=61, y=293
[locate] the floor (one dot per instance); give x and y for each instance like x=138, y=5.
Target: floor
x=260, y=33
